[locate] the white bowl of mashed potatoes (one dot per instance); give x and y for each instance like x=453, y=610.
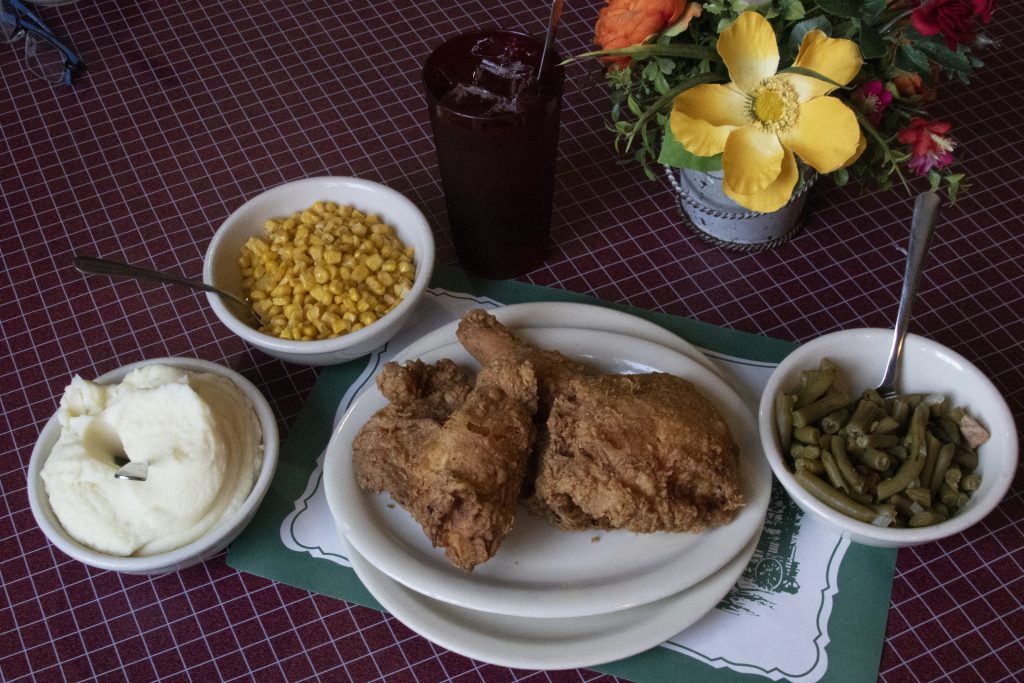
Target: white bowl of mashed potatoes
x=210, y=442
x=334, y=265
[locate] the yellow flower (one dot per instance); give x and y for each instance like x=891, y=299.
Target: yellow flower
x=759, y=120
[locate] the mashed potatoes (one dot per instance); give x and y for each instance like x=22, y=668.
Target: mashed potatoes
x=197, y=432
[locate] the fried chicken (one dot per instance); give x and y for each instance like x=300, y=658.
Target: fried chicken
x=421, y=397
x=642, y=452
x=461, y=479
x=487, y=340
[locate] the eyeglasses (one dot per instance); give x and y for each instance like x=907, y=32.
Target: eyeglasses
x=45, y=54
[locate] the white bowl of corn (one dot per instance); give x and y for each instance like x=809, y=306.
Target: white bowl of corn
x=333, y=266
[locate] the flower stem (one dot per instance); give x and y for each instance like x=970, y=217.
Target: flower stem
x=654, y=50
x=666, y=99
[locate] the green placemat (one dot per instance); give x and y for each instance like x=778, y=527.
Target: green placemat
x=848, y=586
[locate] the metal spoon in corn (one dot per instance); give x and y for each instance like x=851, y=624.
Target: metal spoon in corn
x=91, y=265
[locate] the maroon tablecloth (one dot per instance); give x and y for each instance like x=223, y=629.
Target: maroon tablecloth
x=189, y=109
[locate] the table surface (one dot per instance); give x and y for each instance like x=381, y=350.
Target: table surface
x=189, y=109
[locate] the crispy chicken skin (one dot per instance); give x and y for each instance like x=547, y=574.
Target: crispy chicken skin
x=421, y=397
x=487, y=340
x=461, y=479
x=641, y=452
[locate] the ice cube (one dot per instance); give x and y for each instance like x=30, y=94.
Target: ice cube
x=503, y=79
x=473, y=100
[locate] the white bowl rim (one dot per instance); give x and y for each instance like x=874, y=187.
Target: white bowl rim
x=167, y=561
x=424, y=271
x=855, y=528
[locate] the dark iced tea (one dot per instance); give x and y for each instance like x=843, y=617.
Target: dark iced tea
x=496, y=133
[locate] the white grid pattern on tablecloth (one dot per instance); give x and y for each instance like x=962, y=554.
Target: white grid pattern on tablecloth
x=189, y=110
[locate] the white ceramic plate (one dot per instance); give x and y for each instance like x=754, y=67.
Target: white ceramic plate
x=550, y=314
x=541, y=571
x=568, y=643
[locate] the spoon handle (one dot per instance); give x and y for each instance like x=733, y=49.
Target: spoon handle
x=100, y=266
x=922, y=228
x=549, y=35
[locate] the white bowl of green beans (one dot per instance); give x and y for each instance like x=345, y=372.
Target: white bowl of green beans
x=887, y=472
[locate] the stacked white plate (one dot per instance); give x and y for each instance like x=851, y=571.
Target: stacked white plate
x=552, y=599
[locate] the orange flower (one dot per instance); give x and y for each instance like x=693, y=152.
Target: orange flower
x=623, y=23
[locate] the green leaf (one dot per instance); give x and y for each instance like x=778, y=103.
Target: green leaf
x=911, y=59
x=651, y=70
x=934, y=179
x=943, y=56
x=872, y=10
x=674, y=154
x=841, y=8
x=953, y=183
x=794, y=11
x=872, y=46
x=818, y=23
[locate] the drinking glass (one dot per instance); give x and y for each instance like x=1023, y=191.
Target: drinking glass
x=495, y=126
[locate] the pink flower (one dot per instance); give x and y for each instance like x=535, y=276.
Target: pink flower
x=872, y=98
x=931, y=147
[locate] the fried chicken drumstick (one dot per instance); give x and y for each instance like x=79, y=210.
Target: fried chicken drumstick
x=487, y=340
x=458, y=475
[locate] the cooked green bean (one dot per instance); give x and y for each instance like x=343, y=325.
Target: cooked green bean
x=834, y=498
x=815, y=383
x=904, y=476
x=898, y=412
x=854, y=478
x=834, y=421
x=919, y=495
x=875, y=459
x=863, y=416
x=879, y=441
x=942, y=462
x=948, y=495
x=807, y=435
x=926, y=518
x=832, y=471
x=953, y=476
x=917, y=433
x=966, y=457
x=813, y=466
x=784, y=418
x=906, y=461
x=800, y=450
x=970, y=482
x=813, y=412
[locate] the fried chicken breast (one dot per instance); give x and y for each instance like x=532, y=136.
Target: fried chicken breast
x=643, y=452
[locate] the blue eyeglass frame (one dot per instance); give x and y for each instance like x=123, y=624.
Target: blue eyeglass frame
x=26, y=21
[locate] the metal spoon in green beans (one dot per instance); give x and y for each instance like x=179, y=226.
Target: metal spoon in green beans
x=904, y=461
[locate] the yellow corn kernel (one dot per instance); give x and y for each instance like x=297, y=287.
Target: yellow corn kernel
x=367, y=318
x=360, y=273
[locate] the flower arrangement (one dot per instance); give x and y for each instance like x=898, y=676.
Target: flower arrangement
x=751, y=87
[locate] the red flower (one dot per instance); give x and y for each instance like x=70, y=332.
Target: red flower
x=872, y=99
x=622, y=23
x=931, y=147
x=954, y=19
